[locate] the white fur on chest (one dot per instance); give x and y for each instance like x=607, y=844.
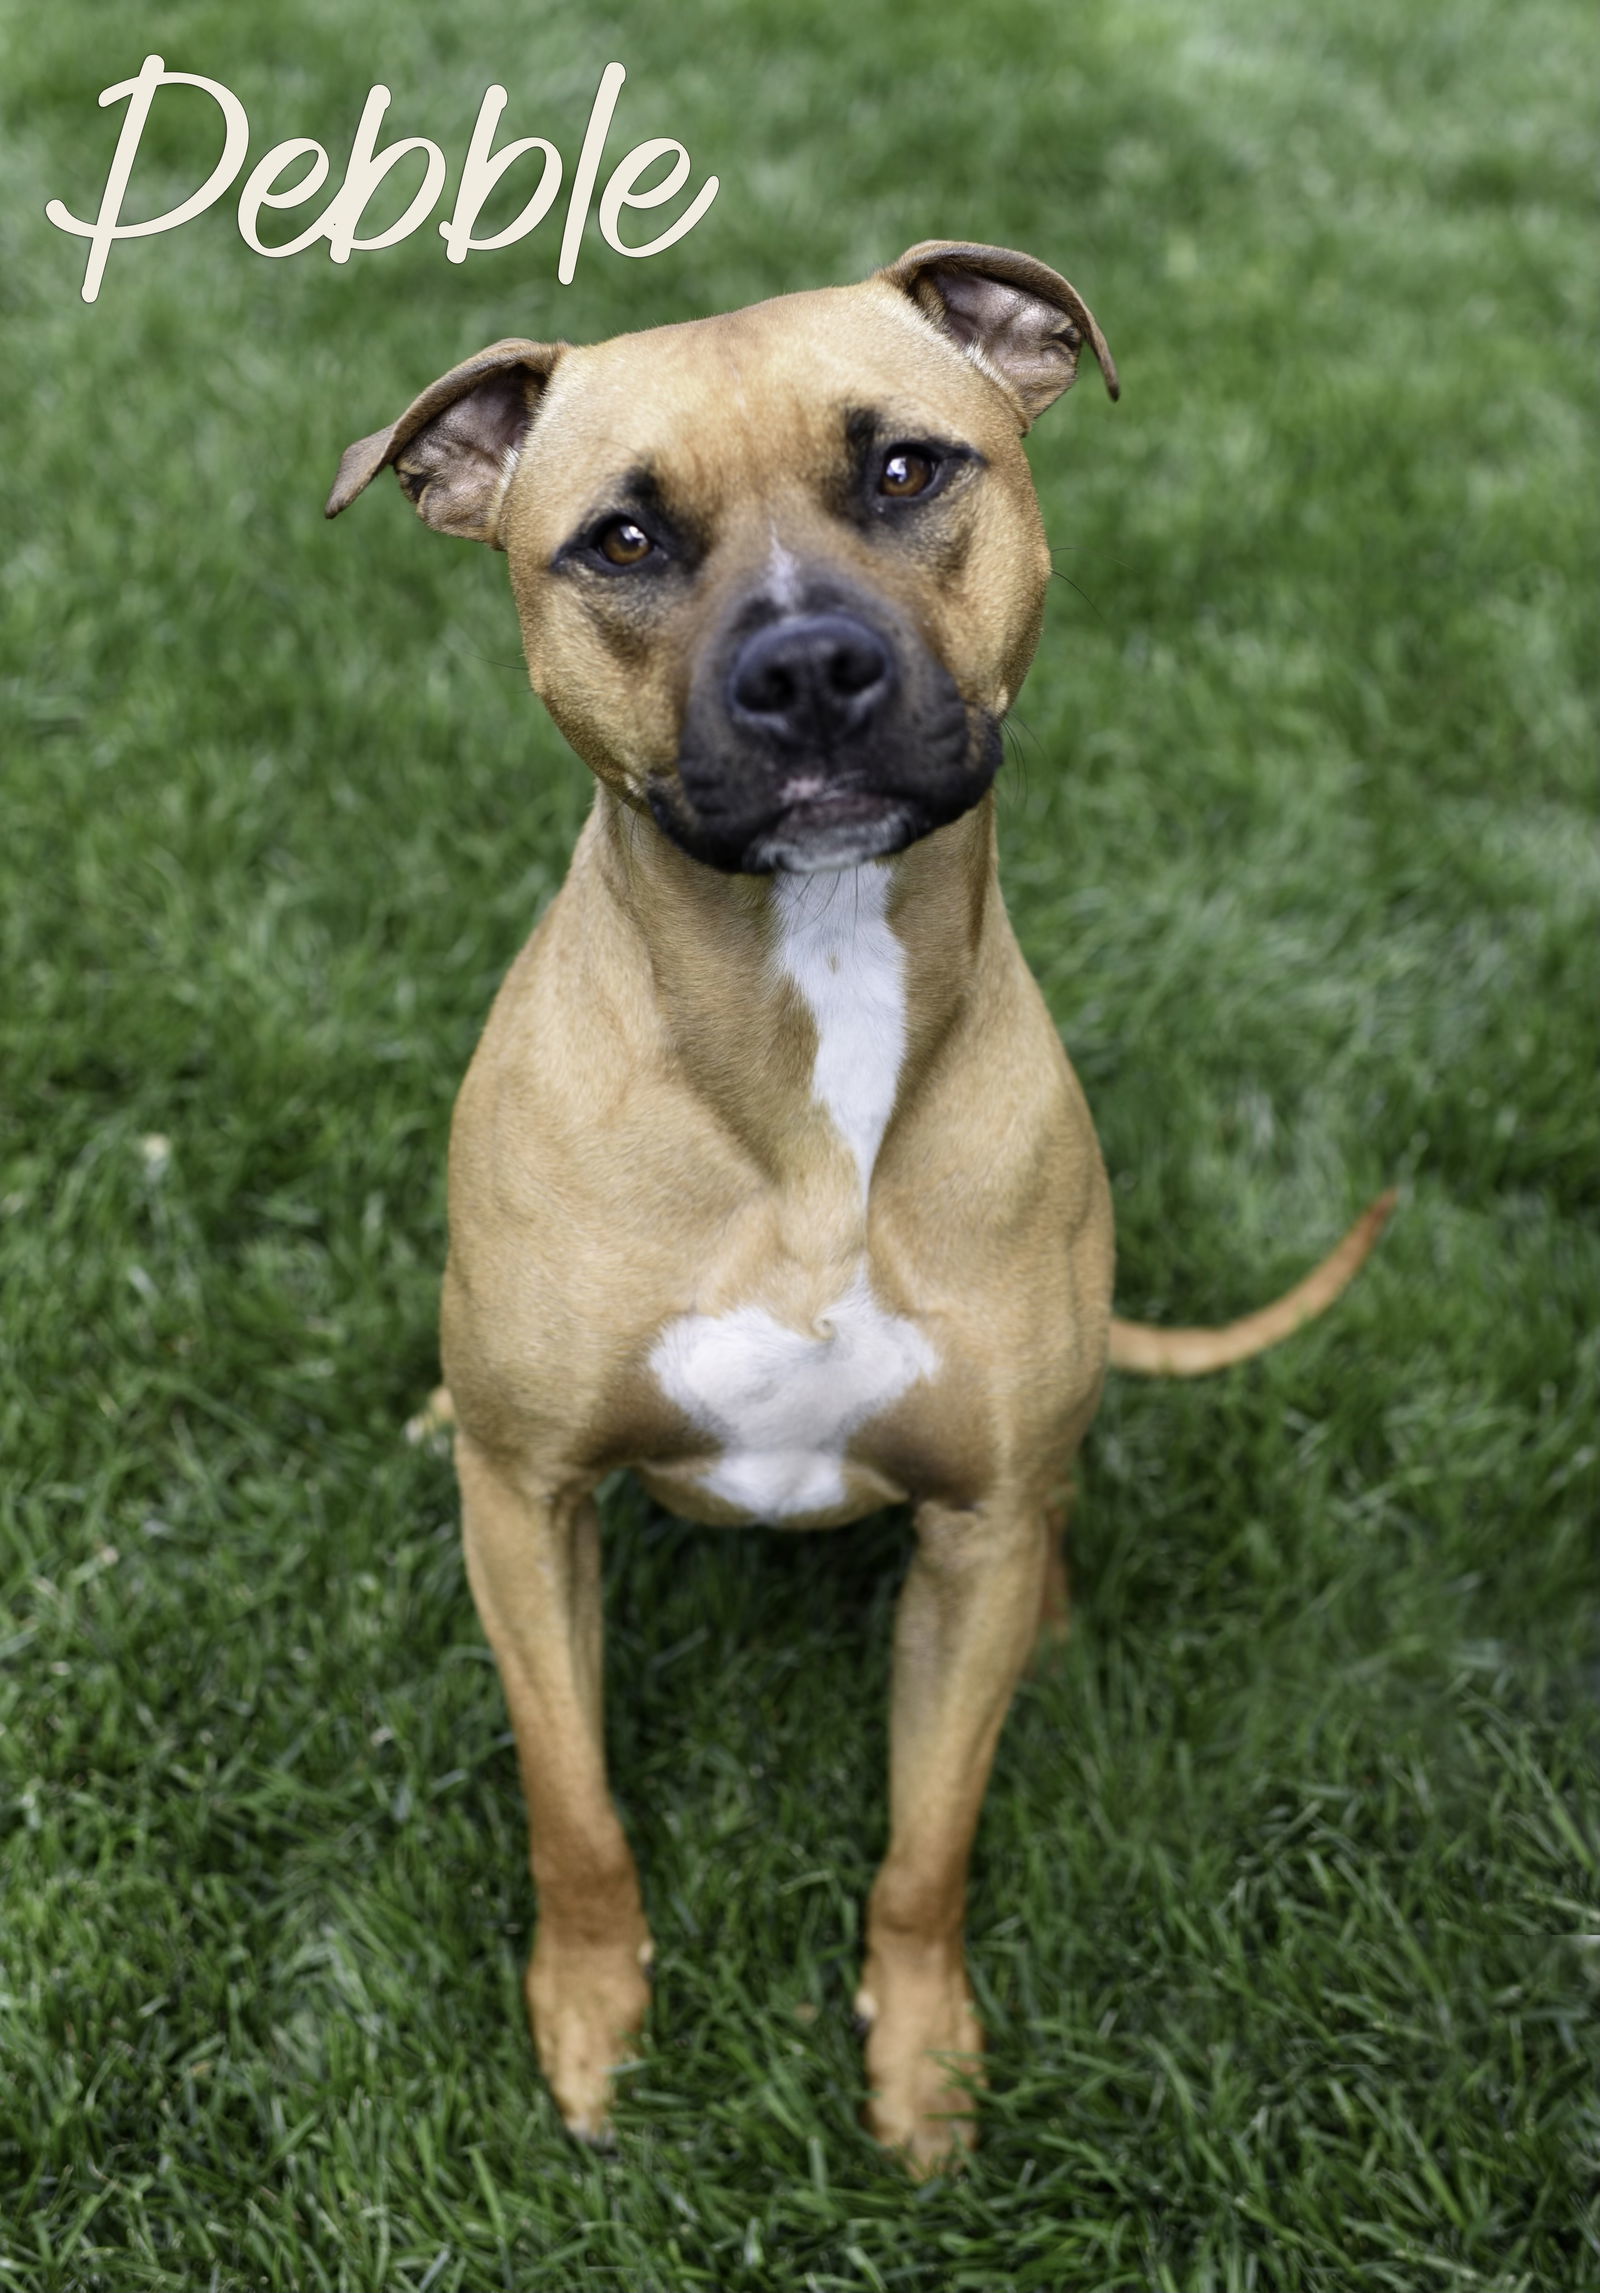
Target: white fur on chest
x=834, y=944
x=783, y=1402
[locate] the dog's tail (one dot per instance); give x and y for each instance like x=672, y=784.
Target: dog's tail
x=1152, y=1352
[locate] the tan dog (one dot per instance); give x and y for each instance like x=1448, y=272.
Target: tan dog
x=770, y=1178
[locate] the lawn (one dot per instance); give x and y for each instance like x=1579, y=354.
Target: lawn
x=1286, y=1904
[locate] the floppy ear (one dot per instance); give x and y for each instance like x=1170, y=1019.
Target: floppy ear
x=1017, y=320
x=455, y=447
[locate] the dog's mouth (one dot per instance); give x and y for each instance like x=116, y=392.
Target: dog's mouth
x=809, y=829
x=819, y=828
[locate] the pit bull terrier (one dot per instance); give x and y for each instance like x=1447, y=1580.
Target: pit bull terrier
x=770, y=1178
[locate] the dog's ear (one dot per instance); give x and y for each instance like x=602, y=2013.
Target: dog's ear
x=455, y=447
x=1016, y=319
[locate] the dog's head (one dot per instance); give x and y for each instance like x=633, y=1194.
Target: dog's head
x=780, y=573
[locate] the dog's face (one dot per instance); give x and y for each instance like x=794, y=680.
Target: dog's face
x=779, y=573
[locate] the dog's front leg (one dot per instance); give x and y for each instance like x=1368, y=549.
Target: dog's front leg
x=963, y=1630
x=533, y=1559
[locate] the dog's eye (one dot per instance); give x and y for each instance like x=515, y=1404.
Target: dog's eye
x=623, y=543
x=907, y=472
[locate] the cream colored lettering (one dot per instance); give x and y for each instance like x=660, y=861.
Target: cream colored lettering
x=594, y=143
x=108, y=226
x=341, y=217
x=620, y=193
x=269, y=183
x=257, y=195
x=482, y=172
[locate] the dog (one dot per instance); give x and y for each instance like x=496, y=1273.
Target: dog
x=770, y=1178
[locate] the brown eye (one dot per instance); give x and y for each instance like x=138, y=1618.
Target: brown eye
x=905, y=473
x=623, y=543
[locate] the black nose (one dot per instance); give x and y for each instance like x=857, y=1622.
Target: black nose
x=811, y=680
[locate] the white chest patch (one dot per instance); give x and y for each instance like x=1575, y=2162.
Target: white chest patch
x=782, y=1401
x=835, y=944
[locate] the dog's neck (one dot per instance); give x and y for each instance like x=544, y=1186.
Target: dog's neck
x=798, y=1003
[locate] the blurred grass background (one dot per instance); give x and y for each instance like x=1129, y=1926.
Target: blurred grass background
x=1284, y=1914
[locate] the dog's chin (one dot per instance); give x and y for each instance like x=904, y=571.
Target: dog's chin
x=811, y=834
x=815, y=836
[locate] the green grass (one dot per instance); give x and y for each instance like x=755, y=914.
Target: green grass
x=1284, y=1908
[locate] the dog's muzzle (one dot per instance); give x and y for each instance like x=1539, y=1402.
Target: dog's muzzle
x=817, y=739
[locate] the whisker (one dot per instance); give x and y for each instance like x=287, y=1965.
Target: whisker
x=1022, y=725
x=492, y=660
x=1081, y=549
x=1056, y=574
x=1012, y=730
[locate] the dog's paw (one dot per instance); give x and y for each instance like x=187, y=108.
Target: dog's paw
x=587, y=2007
x=924, y=2056
x=434, y=1423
